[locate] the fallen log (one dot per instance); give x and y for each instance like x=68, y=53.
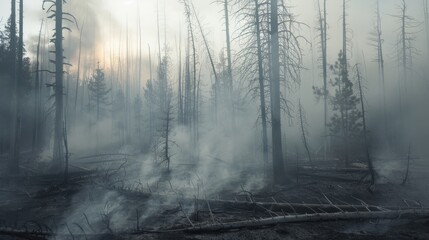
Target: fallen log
x=401, y=214
x=295, y=208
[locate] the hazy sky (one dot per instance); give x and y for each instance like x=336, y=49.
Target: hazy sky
x=105, y=25
x=116, y=13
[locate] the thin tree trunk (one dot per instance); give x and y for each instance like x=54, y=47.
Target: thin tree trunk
x=323, y=35
x=261, y=84
x=229, y=59
x=381, y=65
x=180, y=97
x=278, y=164
x=13, y=159
x=303, y=132
x=212, y=64
x=18, y=91
x=368, y=157
x=345, y=74
x=58, y=155
x=78, y=67
x=37, y=107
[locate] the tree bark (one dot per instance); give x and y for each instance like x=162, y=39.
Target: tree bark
x=37, y=103
x=12, y=132
x=278, y=164
x=261, y=84
x=58, y=155
x=317, y=217
x=368, y=157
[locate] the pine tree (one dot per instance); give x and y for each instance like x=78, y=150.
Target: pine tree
x=98, y=92
x=346, y=122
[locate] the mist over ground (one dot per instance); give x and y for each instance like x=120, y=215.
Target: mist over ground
x=176, y=119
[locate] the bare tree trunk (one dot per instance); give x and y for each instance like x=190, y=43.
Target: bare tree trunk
x=303, y=132
x=323, y=35
x=380, y=60
x=180, y=97
x=13, y=158
x=261, y=84
x=345, y=74
x=58, y=155
x=127, y=93
x=66, y=146
x=229, y=59
x=37, y=105
x=18, y=91
x=78, y=67
x=404, y=38
x=209, y=55
x=368, y=157
x=278, y=164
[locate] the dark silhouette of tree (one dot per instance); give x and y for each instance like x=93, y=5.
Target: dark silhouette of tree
x=276, y=133
x=346, y=124
x=99, y=97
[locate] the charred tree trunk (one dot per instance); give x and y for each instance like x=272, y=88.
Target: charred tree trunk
x=212, y=64
x=345, y=74
x=380, y=60
x=13, y=158
x=261, y=84
x=323, y=42
x=78, y=68
x=303, y=132
x=179, y=92
x=37, y=103
x=278, y=164
x=58, y=155
x=229, y=59
x=368, y=157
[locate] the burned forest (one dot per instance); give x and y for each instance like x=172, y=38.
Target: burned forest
x=214, y=119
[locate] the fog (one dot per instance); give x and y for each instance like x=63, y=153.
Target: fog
x=157, y=104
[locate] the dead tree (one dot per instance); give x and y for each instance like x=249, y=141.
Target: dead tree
x=323, y=42
x=191, y=78
x=345, y=76
x=13, y=163
x=212, y=64
x=407, y=171
x=16, y=134
x=229, y=58
x=58, y=155
x=406, y=37
x=380, y=60
x=365, y=137
x=252, y=57
x=278, y=164
x=37, y=104
x=180, y=84
x=302, y=123
x=59, y=16
x=78, y=67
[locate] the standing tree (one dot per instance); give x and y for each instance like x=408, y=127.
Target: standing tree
x=346, y=120
x=37, y=103
x=58, y=152
x=13, y=157
x=377, y=41
x=278, y=164
x=98, y=92
x=365, y=137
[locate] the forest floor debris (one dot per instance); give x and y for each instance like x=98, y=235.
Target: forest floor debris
x=109, y=203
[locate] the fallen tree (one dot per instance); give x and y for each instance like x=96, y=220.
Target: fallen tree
x=318, y=217
x=295, y=208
